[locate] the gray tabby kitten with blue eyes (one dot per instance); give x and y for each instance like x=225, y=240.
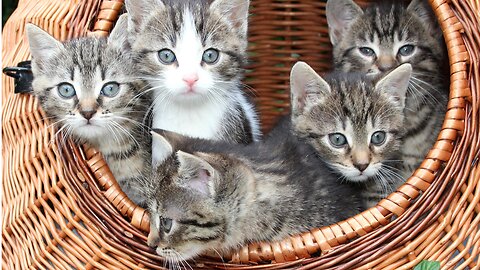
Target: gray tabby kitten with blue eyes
x=382, y=37
x=354, y=123
x=192, y=53
x=85, y=86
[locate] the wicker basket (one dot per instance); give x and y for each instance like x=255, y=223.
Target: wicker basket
x=63, y=209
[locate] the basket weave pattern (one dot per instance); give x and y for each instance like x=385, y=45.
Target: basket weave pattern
x=62, y=207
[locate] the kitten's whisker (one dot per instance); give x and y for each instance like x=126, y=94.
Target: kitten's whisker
x=43, y=119
x=55, y=135
x=109, y=127
x=220, y=256
x=125, y=131
x=426, y=92
x=252, y=90
x=136, y=123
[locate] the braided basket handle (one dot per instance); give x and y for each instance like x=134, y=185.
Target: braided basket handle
x=106, y=17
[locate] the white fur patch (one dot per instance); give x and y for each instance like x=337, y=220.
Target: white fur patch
x=202, y=120
x=198, y=114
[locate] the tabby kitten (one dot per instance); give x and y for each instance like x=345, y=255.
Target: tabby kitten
x=192, y=54
x=354, y=124
x=218, y=195
x=382, y=37
x=85, y=87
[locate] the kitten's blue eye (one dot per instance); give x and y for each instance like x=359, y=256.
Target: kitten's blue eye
x=66, y=90
x=378, y=138
x=366, y=51
x=110, y=89
x=337, y=139
x=210, y=56
x=165, y=224
x=406, y=50
x=166, y=56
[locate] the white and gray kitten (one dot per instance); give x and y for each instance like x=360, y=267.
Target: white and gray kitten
x=86, y=88
x=354, y=123
x=192, y=53
x=382, y=37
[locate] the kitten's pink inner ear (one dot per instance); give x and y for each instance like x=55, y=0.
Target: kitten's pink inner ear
x=197, y=173
x=201, y=182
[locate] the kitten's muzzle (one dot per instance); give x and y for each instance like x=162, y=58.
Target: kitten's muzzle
x=153, y=239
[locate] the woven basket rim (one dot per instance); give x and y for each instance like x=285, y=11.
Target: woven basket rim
x=122, y=225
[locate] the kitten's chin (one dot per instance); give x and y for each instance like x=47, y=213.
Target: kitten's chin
x=176, y=256
x=89, y=132
x=354, y=175
x=357, y=179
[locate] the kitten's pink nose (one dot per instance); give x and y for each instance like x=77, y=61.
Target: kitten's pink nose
x=190, y=79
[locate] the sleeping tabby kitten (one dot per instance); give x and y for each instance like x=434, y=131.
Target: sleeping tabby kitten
x=85, y=87
x=192, y=54
x=354, y=124
x=217, y=195
x=382, y=37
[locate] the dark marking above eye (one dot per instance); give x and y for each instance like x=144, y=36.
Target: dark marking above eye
x=205, y=239
x=193, y=222
x=102, y=71
x=235, y=56
x=200, y=215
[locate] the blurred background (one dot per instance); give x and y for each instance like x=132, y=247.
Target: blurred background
x=8, y=6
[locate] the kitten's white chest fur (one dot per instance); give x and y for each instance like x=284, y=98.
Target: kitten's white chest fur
x=203, y=120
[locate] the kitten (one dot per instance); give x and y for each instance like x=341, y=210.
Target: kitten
x=354, y=124
x=86, y=89
x=382, y=37
x=218, y=195
x=192, y=54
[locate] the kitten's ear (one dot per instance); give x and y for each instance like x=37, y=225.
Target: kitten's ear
x=197, y=173
x=340, y=15
x=422, y=9
x=306, y=87
x=161, y=149
x=119, y=35
x=236, y=11
x=42, y=44
x=395, y=84
x=138, y=10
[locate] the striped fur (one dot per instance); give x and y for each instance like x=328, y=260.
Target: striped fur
x=355, y=108
x=218, y=196
x=397, y=34
x=88, y=65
